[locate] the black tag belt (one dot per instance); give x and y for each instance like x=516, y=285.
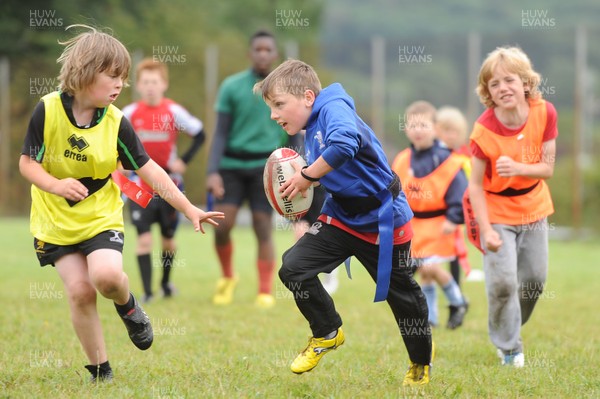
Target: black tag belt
x=511, y=192
x=358, y=205
x=92, y=185
x=429, y=214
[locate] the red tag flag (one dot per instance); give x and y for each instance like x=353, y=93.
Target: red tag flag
x=134, y=192
x=473, y=233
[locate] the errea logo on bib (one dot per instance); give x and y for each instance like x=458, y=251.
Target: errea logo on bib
x=79, y=144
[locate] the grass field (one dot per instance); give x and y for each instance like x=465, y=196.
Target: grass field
x=202, y=351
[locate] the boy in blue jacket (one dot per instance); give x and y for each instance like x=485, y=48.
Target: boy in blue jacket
x=366, y=216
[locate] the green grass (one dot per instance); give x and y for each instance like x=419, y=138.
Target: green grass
x=240, y=351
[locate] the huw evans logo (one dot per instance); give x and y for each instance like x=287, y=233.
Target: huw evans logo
x=44, y=19
x=168, y=54
x=291, y=19
x=537, y=19
x=411, y=54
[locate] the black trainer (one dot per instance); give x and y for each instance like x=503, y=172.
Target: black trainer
x=101, y=373
x=457, y=315
x=147, y=298
x=168, y=289
x=138, y=326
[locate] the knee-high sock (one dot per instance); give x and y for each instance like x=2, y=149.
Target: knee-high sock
x=167, y=265
x=225, y=254
x=429, y=290
x=265, y=276
x=453, y=293
x=145, y=265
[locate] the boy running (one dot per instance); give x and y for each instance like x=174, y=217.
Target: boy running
x=514, y=145
x=74, y=141
x=366, y=215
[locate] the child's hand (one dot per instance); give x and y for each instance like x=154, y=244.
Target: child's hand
x=492, y=241
x=71, y=189
x=177, y=166
x=507, y=167
x=197, y=216
x=297, y=184
x=448, y=227
x=214, y=185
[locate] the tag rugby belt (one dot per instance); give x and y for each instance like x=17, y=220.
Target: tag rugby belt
x=512, y=192
x=92, y=185
x=134, y=192
x=384, y=201
x=357, y=205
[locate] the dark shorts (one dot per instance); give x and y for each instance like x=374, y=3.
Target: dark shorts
x=48, y=253
x=158, y=211
x=242, y=184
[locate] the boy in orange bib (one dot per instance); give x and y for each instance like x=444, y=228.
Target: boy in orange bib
x=434, y=183
x=513, y=145
x=451, y=129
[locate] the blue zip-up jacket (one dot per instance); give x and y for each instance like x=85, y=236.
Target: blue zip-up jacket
x=350, y=147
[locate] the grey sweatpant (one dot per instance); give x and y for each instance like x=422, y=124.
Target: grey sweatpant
x=514, y=280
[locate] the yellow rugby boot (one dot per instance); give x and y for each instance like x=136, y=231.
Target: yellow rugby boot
x=224, y=291
x=265, y=301
x=317, y=347
x=418, y=374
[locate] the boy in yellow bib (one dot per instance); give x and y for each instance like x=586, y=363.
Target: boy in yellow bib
x=74, y=141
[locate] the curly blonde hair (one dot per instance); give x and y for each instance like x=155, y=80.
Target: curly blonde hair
x=88, y=54
x=514, y=60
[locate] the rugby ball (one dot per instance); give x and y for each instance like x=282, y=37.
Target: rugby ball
x=278, y=171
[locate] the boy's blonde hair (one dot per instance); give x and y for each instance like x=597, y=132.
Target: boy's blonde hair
x=420, y=108
x=148, y=64
x=452, y=117
x=293, y=77
x=514, y=60
x=90, y=53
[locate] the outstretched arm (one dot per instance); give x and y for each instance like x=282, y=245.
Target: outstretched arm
x=160, y=182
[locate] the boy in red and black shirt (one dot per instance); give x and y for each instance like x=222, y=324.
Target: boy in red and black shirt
x=157, y=121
